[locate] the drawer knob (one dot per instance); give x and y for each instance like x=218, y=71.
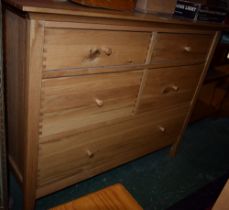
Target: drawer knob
x=187, y=49
x=89, y=153
x=99, y=102
x=171, y=88
x=97, y=52
x=162, y=129
x=107, y=51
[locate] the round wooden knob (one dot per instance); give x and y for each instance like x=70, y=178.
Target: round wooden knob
x=99, y=102
x=170, y=88
x=107, y=51
x=162, y=129
x=175, y=87
x=89, y=153
x=187, y=49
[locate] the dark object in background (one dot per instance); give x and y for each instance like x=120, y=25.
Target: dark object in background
x=186, y=9
x=211, y=15
x=202, y=10
x=204, y=198
x=156, y=6
x=219, y=5
x=227, y=20
x=3, y=173
x=111, y=4
x=213, y=99
x=213, y=11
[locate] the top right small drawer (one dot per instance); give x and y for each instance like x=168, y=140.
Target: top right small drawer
x=173, y=49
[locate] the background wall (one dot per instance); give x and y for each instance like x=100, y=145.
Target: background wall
x=3, y=180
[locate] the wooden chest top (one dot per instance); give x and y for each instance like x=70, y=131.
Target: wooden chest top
x=68, y=8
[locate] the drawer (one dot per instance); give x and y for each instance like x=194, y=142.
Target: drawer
x=74, y=48
x=97, y=150
x=168, y=87
x=173, y=49
x=70, y=103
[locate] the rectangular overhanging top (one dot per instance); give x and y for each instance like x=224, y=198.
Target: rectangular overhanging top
x=61, y=7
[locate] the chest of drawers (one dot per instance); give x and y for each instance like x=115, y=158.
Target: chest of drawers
x=89, y=90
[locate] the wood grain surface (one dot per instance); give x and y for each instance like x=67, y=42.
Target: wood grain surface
x=181, y=49
x=111, y=4
x=33, y=74
x=89, y=150
x=156, y=6
x=74, y=102
x=121, y=85
x=222, y=202
x=115, y=197
x=15, y=28
x=68, y=8
x=200, y=82
x=74, y=48
x=177, y=86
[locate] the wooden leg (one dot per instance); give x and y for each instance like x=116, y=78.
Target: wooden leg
x=175, y=146
x=173, y=150
x=29, y=188
x=36, y=37
x=29, y=201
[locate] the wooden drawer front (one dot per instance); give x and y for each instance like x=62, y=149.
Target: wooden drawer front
x=73, y=48
x=169, y=87
x=74, y=102
x=180, y=49
x=88, y=153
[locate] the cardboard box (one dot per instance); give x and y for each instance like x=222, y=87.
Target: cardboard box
x=156, y=6
x=126, y=5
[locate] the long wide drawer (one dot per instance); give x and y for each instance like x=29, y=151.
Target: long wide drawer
x=169, y=87
x=172, y=49
x=70, y=103
x=86, y=154
x=74, y=48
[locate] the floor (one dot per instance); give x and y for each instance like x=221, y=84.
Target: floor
x=158, y=181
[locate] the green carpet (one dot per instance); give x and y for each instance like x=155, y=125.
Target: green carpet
x=156, y=180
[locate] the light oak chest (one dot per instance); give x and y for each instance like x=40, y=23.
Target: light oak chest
x=90, y=90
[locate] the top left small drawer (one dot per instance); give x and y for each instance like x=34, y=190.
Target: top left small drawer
x=76, y=48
